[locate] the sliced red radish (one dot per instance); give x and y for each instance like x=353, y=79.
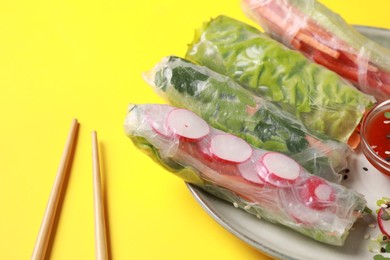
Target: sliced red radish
x=187, y=124
x=278, y=169
x=157, y=117
x=301, y=213
x=384, y=220
x=206, y=156
x=230, y=148
x=316, y=193
x=248, y=171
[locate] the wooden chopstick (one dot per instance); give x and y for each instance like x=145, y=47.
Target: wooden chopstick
x=101, y=250
x=44, y=234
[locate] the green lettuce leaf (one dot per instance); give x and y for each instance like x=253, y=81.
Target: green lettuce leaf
x=323, y=101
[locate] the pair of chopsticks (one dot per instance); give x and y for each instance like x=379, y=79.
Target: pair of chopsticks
x=44, y=235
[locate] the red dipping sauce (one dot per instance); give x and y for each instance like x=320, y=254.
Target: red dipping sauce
x=375, y=133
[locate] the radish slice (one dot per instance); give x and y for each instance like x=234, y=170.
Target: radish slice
x=301, y=213
x=156, y=119
x=249, y=172
x=316, y=193
x=187, y=124
x=278, y=169
x=230, y=148
x=383, y=221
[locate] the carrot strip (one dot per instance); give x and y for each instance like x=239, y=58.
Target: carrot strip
x=317, y=45
x=354, y=140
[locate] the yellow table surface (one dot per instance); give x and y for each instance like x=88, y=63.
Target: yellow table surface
x=61, y=60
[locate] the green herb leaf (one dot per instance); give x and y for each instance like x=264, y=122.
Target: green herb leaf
x=387, y=115
x=367, y=210
x=380, y=257
x=387, y=247
x=377, y=257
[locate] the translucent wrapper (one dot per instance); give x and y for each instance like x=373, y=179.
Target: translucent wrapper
x=324, y=37
x=320, y=98
x=269, y=185
x=227, y=106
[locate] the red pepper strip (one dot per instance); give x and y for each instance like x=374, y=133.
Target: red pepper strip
x=347, y=67
x=354, y=58
x=345, y=71
x=345, y=60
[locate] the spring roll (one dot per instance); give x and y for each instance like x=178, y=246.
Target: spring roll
x=269, y=185
x=320, y=98
x=226, y=105
x=326, y=38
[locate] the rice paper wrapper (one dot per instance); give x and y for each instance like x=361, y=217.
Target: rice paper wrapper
x=259, y=184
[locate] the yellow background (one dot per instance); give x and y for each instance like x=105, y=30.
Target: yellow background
x=84, y=59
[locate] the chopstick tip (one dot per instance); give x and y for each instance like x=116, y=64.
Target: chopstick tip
x=75, y=121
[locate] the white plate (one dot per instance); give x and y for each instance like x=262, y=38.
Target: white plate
x=283, y=243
